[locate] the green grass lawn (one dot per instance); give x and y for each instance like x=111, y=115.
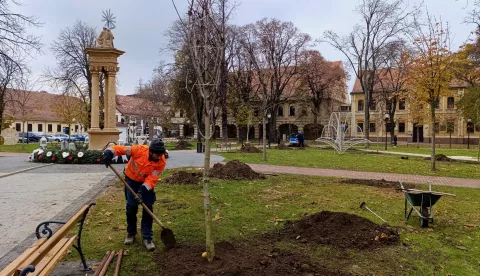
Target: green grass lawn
x=472, y=152
x=27, y=148
x=247, y=208
x=356, y=160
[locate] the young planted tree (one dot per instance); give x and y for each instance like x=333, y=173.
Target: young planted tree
x=382, y=22
x=206, y=38
x=321, y=80
x=274, y=50
x=430, y=69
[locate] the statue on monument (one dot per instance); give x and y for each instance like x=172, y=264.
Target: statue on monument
x=105, y=39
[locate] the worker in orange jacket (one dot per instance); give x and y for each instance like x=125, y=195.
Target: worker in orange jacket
x=141, y=174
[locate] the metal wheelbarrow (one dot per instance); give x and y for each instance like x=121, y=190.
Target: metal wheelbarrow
x=424, y=200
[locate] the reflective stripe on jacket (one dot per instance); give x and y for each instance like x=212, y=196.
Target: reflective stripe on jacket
x=139, y=168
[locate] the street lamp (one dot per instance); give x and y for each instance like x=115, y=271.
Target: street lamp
x=386, y=118
x=269, y=141
x=469, y=129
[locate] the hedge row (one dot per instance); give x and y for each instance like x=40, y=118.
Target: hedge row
x=57, y=156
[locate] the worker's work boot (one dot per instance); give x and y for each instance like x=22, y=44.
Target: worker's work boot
x=129, y=239
x=148, y=245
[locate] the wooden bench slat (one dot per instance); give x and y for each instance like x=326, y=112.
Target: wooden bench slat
x=12, y=267
x=53, y=240
x=45, y=268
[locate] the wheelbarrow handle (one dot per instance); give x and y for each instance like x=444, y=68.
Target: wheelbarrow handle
x=136, y=196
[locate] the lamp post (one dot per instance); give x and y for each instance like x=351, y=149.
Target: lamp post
x=386, y=118
x=469, y=126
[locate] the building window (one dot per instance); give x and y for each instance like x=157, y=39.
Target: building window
x=437, y=103
x=373, y=105
x=436, y=127
x=181, y=113
x=76, y=128
x=59, y=128
x=292, y=110
x=29, y=127
x=49, y=127
x=372, y=127
x=255, y=112
x=401, y=127
x=450, y=102
x=450, y=127
x=40, y=128
x=360, y=105
x=401, y=104
x=360, y=126
x=18, y=127
x=280, y=111
x=389, y=105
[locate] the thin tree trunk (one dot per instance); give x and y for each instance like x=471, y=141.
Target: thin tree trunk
x=223, y=97
x=432, y=127
x=367, y=124
x=264, y=130
x=206, y=194
x=418, y=137
x=450, y=141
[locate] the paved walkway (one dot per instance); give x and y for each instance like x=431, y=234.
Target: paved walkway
x=434, y=180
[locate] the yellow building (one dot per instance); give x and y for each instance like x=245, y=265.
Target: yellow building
x=449, y=121
x=31, y=111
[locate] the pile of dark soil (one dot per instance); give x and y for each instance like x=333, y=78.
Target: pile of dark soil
x=341, y=230
x=183, y=145
x=441, y=157
x=377, y=183
x=238, y=259
x=282, y=146
x=250, y=149
x=183, y=177
x=234, y=170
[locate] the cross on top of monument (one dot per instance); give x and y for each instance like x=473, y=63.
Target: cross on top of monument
x=109, y=19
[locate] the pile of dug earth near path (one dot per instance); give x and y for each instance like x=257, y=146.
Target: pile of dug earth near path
x=377, y=183
x=340, y=230
x=282, y=146
x=234, y=170
x=246, y=259
x=249, y=149
x=183, y=177
x=441, y=157
x=183, y=145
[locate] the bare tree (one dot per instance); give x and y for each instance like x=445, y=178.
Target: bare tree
x=156, y=99
x=391, y=78
x=73, y=67
x=274, y=49
x=68, y=107
x=320, y=79
x=382, y=22
x=15, y=44
x=206, y=36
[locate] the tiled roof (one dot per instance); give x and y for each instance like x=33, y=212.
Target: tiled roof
x=37, y=105
x=136, y=106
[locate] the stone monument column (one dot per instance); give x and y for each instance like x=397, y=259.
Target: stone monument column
x=103, y=58
x=95, y=108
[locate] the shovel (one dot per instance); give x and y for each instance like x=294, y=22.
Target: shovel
x=364, y=206
x=167, y=236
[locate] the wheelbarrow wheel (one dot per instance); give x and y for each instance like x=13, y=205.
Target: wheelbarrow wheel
x=425, y=217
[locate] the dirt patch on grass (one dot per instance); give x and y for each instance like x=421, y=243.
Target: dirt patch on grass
x=377, y=183
x=341, y=230
x=238, y=259
x=441, y=157
x=183, y=177
x=235, y=170
x=183, y=145
x=282, y=146
x=250, y=149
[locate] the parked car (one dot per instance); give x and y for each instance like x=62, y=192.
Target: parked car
x=59, y=137
x=77, y=137
x=31, y=136
x=294, y=140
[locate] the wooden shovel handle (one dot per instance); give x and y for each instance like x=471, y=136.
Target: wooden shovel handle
x=136, y=196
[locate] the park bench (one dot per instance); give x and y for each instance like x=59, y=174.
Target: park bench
x=43, y=256
x=225, y=146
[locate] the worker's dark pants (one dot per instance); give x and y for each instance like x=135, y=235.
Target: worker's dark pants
x=132, y=209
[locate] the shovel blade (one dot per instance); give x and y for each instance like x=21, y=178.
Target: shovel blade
x=168, y=238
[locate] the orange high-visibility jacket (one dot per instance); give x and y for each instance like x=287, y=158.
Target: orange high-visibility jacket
x=139, y=168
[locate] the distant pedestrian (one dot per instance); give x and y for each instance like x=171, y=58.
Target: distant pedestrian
x=301, y=140
x=395, y=140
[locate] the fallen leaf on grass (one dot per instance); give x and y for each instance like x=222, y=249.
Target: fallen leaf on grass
x=462, y=247
x=469, y=225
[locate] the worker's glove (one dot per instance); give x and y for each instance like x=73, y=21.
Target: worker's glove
x=141, y=192
x=107, y=157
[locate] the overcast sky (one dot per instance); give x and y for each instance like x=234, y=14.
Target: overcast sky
x=140, y=26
